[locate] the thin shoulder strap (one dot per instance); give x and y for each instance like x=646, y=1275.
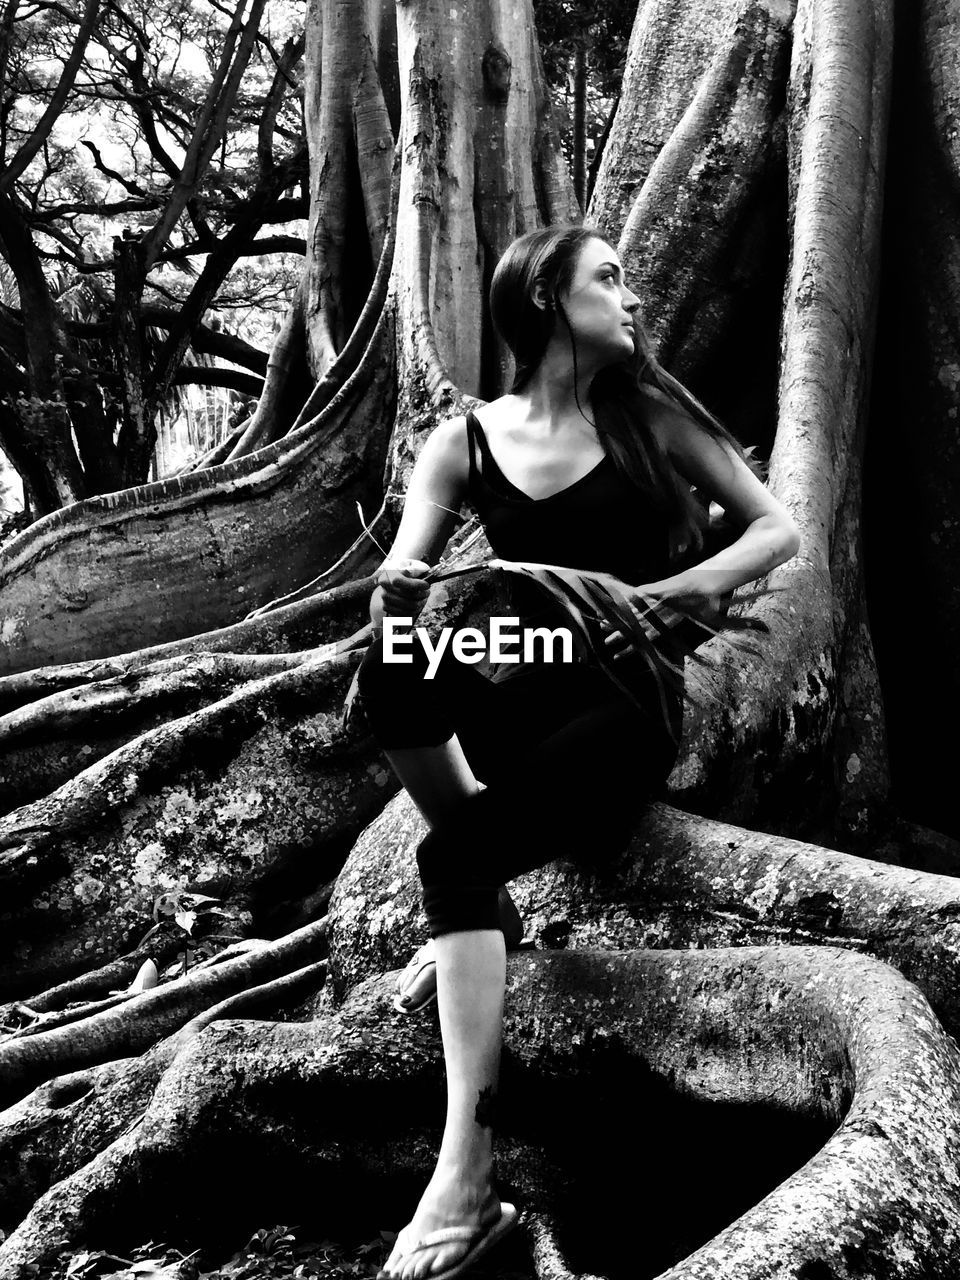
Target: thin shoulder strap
x=473, y=427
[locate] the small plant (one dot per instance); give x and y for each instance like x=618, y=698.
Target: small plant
x=183, y=909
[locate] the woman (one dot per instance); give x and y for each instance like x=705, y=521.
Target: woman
x=587, y=462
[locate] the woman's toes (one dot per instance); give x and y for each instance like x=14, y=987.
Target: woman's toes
x=421, y=987
x=430, y=1261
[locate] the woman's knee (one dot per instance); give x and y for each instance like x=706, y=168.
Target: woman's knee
x=377, y=678
x=459, y=892
x=399, y=708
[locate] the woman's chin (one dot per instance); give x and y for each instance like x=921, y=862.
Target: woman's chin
x=626, y=350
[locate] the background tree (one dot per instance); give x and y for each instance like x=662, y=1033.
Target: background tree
x=584, y=51
x=178, y=655
x=144, y=149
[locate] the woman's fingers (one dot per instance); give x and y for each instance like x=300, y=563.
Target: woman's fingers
x=411, y=589
x=404, y=568
x=404, y=600
x=618, y=643
x=402, y=586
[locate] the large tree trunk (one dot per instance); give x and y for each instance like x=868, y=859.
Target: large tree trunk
x=480, y=162
x=158, y=740
x=690, y=157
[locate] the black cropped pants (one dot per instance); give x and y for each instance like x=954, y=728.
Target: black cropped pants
x=568, y=763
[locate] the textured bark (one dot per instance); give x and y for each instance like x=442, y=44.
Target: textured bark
x=256, y=789
x=684, y=881
x=204, y=752
x=714, y=165
x=818, y=1033
x=350, y=183
x=761, y=744
x=56, y=1129
x=482, y=163
x=232, y=538
x=139, y=1021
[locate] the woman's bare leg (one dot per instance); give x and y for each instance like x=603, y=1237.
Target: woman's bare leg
x=471, y=971
x=437, y=778
x=470, y=974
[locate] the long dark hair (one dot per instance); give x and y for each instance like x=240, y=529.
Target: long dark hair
x=549, y=257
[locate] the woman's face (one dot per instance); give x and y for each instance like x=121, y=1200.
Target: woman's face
x=599, y=305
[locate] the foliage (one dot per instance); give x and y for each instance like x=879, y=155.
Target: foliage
x=154, y=173
x=604, y=32
x=605, y=29
x=270, y=1252
x=107, y=165
x=154, y=197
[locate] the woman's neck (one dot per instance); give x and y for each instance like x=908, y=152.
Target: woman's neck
x=553, y=397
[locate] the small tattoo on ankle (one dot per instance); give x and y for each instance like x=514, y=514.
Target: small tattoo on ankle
x=486, y=1107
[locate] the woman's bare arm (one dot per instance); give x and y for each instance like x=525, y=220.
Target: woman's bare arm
x=769, y=534
x=431, y=506
x=434, y=496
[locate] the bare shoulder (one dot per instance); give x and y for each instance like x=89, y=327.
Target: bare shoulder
x=449, y=435
x=445, y=450
x=498, y=415
x=449, y=441
x=664, y=414
x=676, y=431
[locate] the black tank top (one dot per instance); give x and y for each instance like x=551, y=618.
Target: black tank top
x=600, y=522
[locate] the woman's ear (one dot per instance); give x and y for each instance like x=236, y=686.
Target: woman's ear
x=541, y=297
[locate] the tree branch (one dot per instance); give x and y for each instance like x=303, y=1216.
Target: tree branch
x=43, y=126
x=133, y=187
x=6, y=31
x=202, y=375
x=210, y=125
x=275, y=244
x=292, y=51
x=99, y=209
x=215, y=270
x=225, y=345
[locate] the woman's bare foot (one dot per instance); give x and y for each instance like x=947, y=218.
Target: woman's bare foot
x=449, y=1201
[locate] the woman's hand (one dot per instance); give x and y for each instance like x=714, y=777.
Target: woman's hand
x=673, y=600
x=400, y=591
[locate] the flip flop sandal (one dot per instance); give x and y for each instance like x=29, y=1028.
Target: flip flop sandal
x=421, y=960
x=480, y=1240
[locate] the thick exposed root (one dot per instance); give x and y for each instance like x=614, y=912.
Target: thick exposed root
x=253, y=799
x=138, y=1021
x=322, y=617
x=230, y=802
x=683, y=881
x=64, y=1123
x=234, y=535
x=838, y=1040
